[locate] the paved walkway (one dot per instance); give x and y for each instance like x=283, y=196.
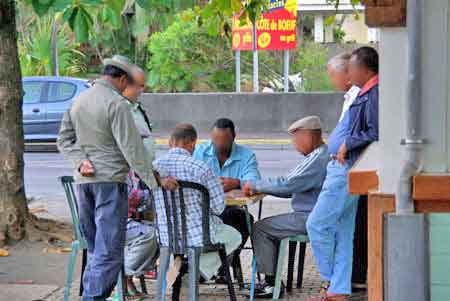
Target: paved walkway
x=311, y=284
x=47, y=271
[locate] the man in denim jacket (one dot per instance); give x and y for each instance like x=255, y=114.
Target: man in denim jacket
x=331, y=224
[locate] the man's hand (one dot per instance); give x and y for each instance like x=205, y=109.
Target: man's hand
x=247, y=189
x=342, y=153
x=86, y=169
x=169, y=183
x=230, y=184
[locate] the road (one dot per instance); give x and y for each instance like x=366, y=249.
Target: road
x=43, y=169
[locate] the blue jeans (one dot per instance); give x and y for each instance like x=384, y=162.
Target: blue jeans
x=103, y=211
x=331, y=226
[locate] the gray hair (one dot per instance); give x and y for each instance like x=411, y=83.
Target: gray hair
x=339, y=62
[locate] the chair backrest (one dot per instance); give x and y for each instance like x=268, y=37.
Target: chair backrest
x=67, y=183
x=172, y=208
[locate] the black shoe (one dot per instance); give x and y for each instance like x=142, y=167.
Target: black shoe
x=221, y=280
x=265, y=291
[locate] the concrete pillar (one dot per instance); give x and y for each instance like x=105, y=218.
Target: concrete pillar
x=319, y=36
x=406, y=258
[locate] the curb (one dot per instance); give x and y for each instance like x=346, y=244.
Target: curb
x=163, y=143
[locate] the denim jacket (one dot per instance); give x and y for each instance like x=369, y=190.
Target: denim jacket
x=363, y=121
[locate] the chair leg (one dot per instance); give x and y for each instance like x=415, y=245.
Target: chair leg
x=176, y=287
x=223, y=258
x=253, y=279
x=280, y=261
x=291, y=262
x=237, y=271
x=121, y=285
x=83, y=267
x=194, y=272
x=70, y=270
x=301, y=264
x=161, y=283
x=143, y=285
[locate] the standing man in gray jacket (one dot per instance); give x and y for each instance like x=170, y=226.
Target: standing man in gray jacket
x=98, y=134
x=303, y=184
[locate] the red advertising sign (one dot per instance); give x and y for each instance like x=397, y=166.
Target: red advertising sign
x=275, y=29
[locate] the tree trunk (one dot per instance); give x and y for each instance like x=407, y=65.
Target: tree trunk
x=13, y=206
x=54, y=47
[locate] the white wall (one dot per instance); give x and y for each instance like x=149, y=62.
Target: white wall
x=393, y=66
x=435, y=100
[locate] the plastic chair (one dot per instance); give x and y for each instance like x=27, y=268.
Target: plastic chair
x=292, y=241
x=291, y=262
x=80, y=244
x=178, y=243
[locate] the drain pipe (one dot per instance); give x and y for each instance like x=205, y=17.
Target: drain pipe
x=406, y=238
x=413, y=142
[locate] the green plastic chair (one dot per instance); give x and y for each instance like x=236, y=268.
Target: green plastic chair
x=80, y=244
x=292, y=241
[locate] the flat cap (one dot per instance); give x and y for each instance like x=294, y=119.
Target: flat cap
x=307, y=123
x=121, y=62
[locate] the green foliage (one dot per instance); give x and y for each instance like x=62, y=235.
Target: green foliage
x=108, y=27
x=338, y=35
x=35, y=50
x=187, y=57
x=312, y=64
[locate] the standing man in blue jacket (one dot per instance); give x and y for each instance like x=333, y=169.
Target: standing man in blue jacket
x=331, y=224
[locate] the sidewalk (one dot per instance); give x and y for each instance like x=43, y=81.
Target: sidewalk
x=47, y=270
x=311, y=284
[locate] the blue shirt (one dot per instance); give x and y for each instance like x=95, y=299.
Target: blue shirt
x=342, y=129
x=340, y=132
x=178, y=163
x=303, y=183
x=240, y=165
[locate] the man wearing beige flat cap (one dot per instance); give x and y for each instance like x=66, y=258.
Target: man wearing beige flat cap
x=98, y=134
x=303, y=185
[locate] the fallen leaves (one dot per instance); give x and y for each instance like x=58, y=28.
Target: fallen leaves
x=37, y=210
x=4, y=253
x=58, y=250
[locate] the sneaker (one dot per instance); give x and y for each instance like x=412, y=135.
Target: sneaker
x=324, y=285
x=265, y=291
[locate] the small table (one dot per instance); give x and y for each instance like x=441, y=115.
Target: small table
x=238, y=198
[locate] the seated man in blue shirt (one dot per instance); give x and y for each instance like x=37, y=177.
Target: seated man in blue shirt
x=234, y=164
x=178, y=163
x=303, y=184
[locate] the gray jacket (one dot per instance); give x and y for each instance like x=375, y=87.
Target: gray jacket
x=100, y=127
x=303, y=183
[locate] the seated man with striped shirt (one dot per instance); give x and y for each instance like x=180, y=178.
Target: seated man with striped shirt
x=303, y=185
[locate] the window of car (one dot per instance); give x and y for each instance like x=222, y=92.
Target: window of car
x=32, y=92
x=60, y=91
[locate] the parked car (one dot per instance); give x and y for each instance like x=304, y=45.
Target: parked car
x=45, y=100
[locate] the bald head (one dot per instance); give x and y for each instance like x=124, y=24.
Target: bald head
x=135, y=89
